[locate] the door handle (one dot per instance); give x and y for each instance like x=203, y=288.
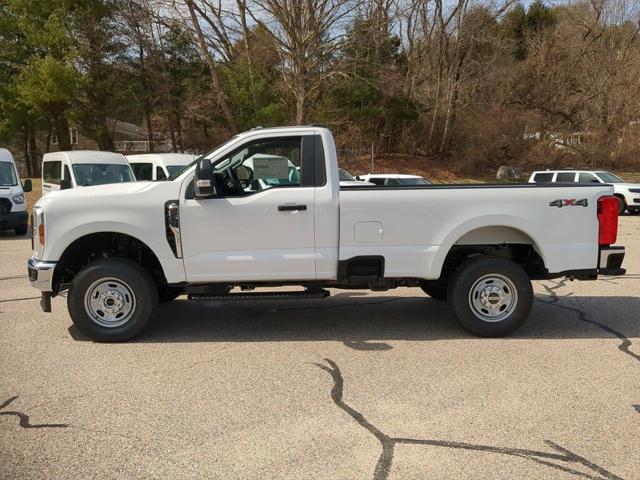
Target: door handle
x=291, y=208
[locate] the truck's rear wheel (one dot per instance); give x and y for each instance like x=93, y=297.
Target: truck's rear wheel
x=112, y=300
x=490, y=296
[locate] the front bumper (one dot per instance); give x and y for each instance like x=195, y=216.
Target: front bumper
x=12, y=220
x=610, y=261
x=41, y=274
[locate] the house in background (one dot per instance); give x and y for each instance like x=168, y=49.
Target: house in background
x=127, y=138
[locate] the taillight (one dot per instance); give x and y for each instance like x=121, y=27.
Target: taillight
x=608, y=220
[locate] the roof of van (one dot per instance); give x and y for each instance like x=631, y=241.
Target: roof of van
x=5, y=156
x=166, y=158
x=87, y=156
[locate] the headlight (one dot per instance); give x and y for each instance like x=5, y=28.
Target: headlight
x=18, y=199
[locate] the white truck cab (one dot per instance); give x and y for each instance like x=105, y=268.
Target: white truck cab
x=628, y=194
x=13, y=204
x=239, y=218
x=158, y=166
x=83, y=168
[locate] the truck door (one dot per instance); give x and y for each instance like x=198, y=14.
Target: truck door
x=260, y=223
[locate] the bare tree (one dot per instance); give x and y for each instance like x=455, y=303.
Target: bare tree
x=308, y=33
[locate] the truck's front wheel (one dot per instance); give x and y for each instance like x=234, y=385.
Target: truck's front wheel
x=490, y=296
x=111, y=300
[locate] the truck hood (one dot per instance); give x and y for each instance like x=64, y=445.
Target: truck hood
x=626, y=186
x=9, y=191
x=109, y=189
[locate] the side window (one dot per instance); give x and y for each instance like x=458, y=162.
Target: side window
x=377, y=181
x=392, y=182
x=261, y=165
x=566, y=177
x=587, y=178
x=51, y=172
x=143, y=171
x=542, y=177
x=160, y=175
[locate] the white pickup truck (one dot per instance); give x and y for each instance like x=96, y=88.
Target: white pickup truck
x=227, y=224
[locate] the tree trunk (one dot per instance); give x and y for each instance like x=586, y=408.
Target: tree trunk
x=221, y=98
x=32, y=160
x=61, y=128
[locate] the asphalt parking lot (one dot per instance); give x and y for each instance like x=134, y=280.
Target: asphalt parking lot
x=358, y=386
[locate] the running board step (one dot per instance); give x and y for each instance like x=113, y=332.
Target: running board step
x=306, y=294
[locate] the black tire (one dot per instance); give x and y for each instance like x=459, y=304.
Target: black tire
x=477, y=272
x=144, y=298
x=169, y=294
x=21, y=230
x=621, y=205
x=437, y=291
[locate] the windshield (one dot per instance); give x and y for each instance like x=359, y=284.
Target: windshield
x=174, y=169
x=607, y=177
x=180, y=170
x=8, y=174
x=345, y=176
x=88, y=174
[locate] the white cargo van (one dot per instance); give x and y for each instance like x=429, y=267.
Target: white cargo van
x=83, y=168
x=13, y=204
x=158, y=166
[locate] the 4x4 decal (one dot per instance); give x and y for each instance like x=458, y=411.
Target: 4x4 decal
x=569, y=202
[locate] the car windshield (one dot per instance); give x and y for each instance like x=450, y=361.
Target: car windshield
x=8, y=174
x=88, y=174
x=345, y=176
x=607, y=177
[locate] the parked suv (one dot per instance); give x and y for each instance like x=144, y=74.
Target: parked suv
x=628, y=194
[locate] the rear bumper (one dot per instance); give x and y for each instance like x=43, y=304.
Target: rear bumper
x=12, y=220
x=610, y=261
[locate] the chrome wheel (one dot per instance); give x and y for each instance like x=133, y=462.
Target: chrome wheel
x=493, y=297
x=109, y=302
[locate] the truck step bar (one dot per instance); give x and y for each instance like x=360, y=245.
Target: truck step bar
x=305, y=294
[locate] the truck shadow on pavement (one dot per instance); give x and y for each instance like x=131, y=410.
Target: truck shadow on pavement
x=374, y=323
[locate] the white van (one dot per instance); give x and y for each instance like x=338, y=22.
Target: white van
x=158, y=166
x=83, y=168
x=13, y=204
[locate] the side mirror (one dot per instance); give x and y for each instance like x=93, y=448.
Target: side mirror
x=65, y=184
x=26, y=186
x=204, y=182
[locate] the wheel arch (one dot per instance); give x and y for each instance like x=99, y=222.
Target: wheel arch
x=506, y=240
x=86, y=248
